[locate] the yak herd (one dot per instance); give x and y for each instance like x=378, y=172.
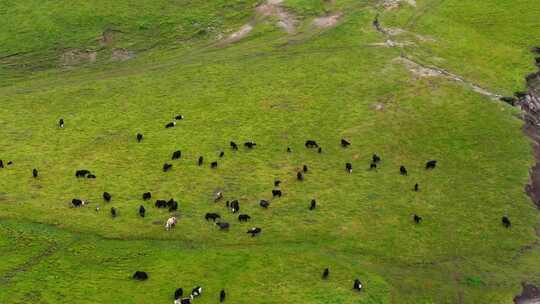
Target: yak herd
x=234, y=206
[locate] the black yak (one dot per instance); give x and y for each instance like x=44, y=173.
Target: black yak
x=223, y=225
x=417, y=219
x=264, y=203
x=325, y=273
x=176, y=155
x=146, y=196
x=403, y=170
x=276, y=193
x=250, y=144
x=139, y=137
x=313, y=204
x=254, y=231
x=212, y=216
x=142, y=211
x=311, y=144
x=140, y=275
x=345, y=143
x=431, y=164
x=506, y=221
x=222, y=296
x=244, y=218
x=107, y=196
x=348, y=167
x=35, y=173
x=166, y=167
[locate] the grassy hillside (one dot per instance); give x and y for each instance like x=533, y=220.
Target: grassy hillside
x=278, y=89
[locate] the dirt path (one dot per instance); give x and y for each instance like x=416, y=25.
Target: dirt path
x=421, y=70
x=26, y=266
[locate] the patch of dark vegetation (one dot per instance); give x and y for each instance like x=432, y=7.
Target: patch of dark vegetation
x=529, y=295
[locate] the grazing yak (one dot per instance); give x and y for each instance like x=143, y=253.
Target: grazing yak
x=249, y=144
x=244, y=218
x=348, y=167
x=184, y=301
x=221, y=154
x=345, y=143
x=35, y=173
x=171, y=223
x=176, y=155
x=139, y=137
x=170, y=125
x=325, y=273
x=173, y=205
x=212, y=216
x=223, y=225
x=375, y=159
x=319, y=150
x=373, y=166
x=179, y=117
x=235, y=206
x=140, y=276
x=431, y=164
x=196, y=292
x=254, y=231
x=146, y=196
x=178, y=293
x=311, y=144
x=114, y=212
x=313, y=204
x=92, y=176
x=61, y=123
x=357, y=285
x=214, y=164
x=107, y=196
x=276, y=183
x=218, y=196
x=1, y=164
x=77, y=202
x=222, y=296
x=161, y=204
x=142, y=211
x=299, y=176
x=264, y=203
x=506, y=221
x=289, y=150
x=417, y=219
x=166, y=167
x=277, y=193
x=416, y=188
x=201, y=160
x=81, y=173
x=403, y=171
x=233, y=145
x=305, y=169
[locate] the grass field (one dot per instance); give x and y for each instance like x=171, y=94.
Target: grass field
x=278, y=89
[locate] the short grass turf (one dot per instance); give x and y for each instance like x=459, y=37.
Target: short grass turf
x=279, y=91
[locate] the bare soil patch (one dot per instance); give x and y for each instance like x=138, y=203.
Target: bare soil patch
x=394, y=4
x=122, y=55
x=76, y=57
x=327, y=21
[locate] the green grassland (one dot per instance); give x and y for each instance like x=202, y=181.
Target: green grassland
x=277, y=89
